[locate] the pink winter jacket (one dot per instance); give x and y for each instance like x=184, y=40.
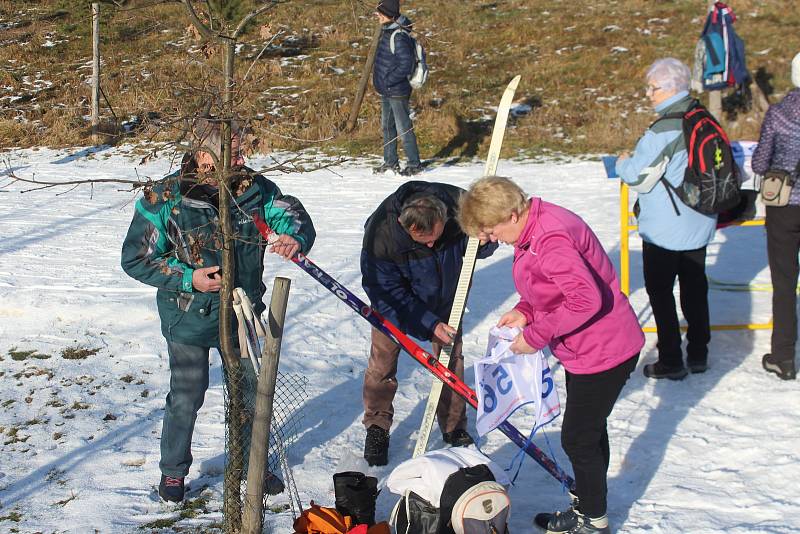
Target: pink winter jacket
x=570, y=293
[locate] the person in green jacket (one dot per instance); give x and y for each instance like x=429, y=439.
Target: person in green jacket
x=174, y=243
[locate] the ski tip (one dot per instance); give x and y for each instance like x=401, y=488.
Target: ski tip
x=515, y=82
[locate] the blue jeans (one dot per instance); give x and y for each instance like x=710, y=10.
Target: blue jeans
x=396, y=122
x=188, y=382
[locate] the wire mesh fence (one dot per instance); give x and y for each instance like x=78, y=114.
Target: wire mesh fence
x=287, y=415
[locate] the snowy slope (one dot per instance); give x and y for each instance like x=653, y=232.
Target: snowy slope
x=718, y=452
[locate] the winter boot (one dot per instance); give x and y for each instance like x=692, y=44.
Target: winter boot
x=394, y=167
x=458, y=438
x=171, y=488
x=559, y=521
x=376, y=446
x=356, y=494
x=659, y=370
x=411, y=170
x=572, y=522
x=784, y=370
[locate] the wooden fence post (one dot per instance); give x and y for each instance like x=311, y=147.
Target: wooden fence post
x=265, y=395
x=715, y=96
x=95, y=72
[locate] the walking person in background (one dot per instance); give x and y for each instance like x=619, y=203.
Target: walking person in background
x=674, y=236
x=410, y=263
x=779, y=148
x=570, y=301
x=394, y=63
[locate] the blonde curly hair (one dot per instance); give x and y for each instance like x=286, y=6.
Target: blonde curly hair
x=488, y=202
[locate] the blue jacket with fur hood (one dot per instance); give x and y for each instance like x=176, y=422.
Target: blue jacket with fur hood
x=391, y=71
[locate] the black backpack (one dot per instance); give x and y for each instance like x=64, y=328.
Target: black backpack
x=711, y=183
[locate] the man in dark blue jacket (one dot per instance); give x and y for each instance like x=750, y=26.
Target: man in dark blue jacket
x=410, y=263
x=394, y=63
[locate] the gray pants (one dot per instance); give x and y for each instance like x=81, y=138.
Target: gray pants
x=188, y=382
x=380, y=386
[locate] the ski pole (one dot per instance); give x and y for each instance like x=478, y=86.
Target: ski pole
x=428, y=360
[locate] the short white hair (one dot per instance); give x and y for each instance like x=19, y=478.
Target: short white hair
x=670, y=74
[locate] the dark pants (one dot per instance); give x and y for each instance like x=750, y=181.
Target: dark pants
x=584, y=435
x=380, y=385
x=661, y=266
x=188, y=382
x=396, y=122
x=783, y=245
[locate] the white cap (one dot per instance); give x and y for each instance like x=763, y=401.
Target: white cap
x=796, y=70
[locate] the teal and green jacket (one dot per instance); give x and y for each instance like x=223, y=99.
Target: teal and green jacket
x=175, y=230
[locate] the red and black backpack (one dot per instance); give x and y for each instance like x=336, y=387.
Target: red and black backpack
x=711, y=182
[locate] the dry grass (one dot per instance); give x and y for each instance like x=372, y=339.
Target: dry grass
x=585, y=96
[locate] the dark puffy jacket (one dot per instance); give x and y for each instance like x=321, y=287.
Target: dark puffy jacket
x=174, y=231
x=779, y=143
x=412, y=285
x=391, y=72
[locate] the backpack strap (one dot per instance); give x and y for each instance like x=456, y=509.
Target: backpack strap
x=391, y=38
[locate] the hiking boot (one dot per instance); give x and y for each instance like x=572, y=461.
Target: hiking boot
x=571, y=522
x=394, y=167
x=171, y=488
x=376, y=446
x=272, y=484
x=458, y=438
x=659, y=370
x=784, y=370
x=411, y=170
x=697, y=366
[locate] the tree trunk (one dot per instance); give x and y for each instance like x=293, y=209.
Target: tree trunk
x=362, y=84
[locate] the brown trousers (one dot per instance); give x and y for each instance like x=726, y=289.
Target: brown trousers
x=380, y=385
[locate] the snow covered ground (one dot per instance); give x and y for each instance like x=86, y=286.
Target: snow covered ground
x=718, y=452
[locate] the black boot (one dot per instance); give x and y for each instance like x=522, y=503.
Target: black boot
x=659, y=370
x=458, y=438
x=380, y=169
x=356, y=494
x=171, y=488
x=785, y=370
x=376, y=446
x=572, y=522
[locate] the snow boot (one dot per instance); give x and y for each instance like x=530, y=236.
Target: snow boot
x=171, y=488
x=659, y=370
x=356, y=494
x=784, y=370
x=411, y=170
x=458, y=438
x=376, y=446
x=572, y=522
x=394, y=167
x=697, y=366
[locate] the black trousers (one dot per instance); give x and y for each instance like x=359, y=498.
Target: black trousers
x=584, y=434
x=783, y=245
x=661, y=266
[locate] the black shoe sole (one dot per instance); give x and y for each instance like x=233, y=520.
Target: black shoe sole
x=673, y=375
x=779, y=372
x=697, y=368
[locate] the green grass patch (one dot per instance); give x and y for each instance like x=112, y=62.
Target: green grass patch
x=12, y=516
x=22, y=355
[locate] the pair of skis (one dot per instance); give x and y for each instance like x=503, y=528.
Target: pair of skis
x=428, y=360
x=467, y=268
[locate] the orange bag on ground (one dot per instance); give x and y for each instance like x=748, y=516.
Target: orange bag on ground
x=320, y=520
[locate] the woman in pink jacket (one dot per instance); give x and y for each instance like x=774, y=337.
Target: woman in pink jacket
x=569, y=301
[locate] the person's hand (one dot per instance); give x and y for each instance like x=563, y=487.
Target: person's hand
x=207, y=279
x=520, y=346
x=622, y=157
x=513, y=318
x=444, y=334
x=285, y=246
